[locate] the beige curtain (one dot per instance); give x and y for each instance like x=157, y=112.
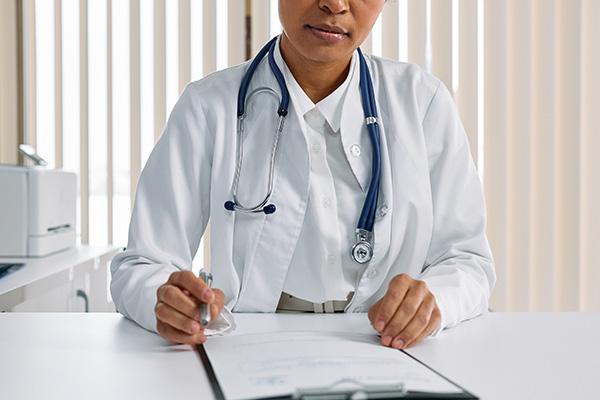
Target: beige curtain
x=9, y=82
x=542, y=131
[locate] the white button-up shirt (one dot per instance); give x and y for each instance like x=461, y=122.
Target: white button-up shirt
x=321, y=268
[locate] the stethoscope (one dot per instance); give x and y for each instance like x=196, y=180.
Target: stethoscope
x=362, y=250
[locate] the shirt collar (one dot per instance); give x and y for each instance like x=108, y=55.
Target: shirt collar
x=331, y=106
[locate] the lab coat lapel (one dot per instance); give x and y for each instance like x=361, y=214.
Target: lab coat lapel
x=266, y=269
x=371, y=278
x=354, y=135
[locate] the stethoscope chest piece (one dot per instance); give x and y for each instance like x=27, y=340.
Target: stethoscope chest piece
x=362, y=251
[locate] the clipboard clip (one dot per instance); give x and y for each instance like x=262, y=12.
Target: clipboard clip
x=351, y=390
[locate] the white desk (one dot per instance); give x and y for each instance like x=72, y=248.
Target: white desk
x=43, y=280
x=100, y=356
x=520, y=355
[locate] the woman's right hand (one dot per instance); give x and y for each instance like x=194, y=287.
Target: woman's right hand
x=177, y=307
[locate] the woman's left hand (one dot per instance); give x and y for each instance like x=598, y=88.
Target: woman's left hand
x=407, y=313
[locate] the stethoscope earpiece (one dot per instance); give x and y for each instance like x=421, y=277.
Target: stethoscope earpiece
x=269, y=209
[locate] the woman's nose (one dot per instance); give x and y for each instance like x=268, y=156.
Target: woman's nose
x=334, y=6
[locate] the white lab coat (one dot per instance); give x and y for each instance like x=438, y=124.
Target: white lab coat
x=431, y=212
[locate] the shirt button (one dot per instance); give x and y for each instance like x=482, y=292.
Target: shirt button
x=326, y=202
x=315, y=147
x=372, y=273
x=331, y=259
x=355, y=150
x=383, y=210
x=315, y=113
x=358, y=309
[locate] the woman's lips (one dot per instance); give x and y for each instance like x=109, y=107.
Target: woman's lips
x=327, y=33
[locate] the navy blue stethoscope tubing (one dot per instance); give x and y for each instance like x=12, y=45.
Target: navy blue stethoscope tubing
x=367, y=216
x=285, y=96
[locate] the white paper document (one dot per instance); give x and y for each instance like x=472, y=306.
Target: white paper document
x=276, y=364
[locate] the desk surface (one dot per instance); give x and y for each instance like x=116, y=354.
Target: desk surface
x=94, y=356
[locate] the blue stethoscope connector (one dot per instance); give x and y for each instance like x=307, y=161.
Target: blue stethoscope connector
x=362, y=251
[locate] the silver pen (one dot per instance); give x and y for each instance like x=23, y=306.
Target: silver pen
x=205, y=307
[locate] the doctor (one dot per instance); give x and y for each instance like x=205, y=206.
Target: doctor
x=406, y=162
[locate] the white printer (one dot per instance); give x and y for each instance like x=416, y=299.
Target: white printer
x=37, y=210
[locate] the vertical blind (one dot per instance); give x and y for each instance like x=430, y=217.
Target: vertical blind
x=542, y=130
x=9, y=82
x=102, y=76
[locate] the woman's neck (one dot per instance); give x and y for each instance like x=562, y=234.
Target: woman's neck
x=317, y=79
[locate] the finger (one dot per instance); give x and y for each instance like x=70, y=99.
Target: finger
x=186, y=280
x=218, y=304
x=177, y=299
x=177, y=336
x=170, y=316
x=373, y=311
x=434, y=322
x=416, y=325
x=406, y=312
x=394, y=296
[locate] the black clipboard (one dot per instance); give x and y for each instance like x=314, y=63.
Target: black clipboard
x=219, y=395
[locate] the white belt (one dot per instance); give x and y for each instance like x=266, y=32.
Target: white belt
x=289, y=303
